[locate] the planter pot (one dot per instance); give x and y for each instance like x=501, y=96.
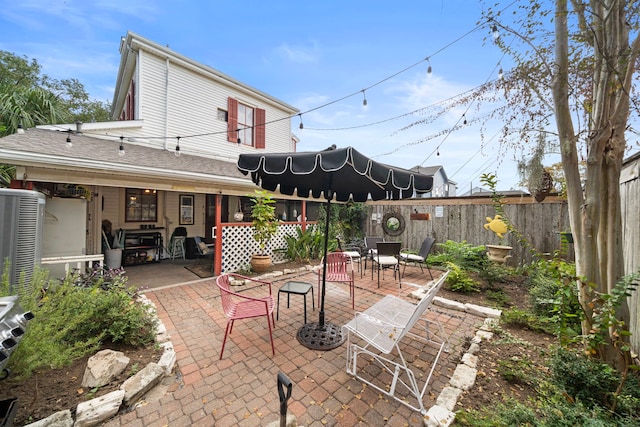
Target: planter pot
x=498, y=254
x=113, y=258
x=260, y=263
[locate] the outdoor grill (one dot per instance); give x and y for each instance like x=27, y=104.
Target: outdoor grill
x=13, y=324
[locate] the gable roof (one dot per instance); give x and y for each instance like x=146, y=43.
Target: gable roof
x=95, y=161
x=132, y=43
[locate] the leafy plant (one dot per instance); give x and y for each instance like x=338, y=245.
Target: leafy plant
x=263, y=215
x=458, y=280
x=72, y=321
x=304, y=245
x=463, y=254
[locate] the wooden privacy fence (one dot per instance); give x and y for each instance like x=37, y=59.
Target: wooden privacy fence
x=630, y=201
x=463, y=218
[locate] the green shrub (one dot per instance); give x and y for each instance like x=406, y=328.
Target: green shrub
x=73, y=320
x=304, y=246
x=471, y=258
x=458, y=280
x=585, y=379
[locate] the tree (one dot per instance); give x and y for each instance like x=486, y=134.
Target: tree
x=590, y=79
x=575, y=70
x=30, y=98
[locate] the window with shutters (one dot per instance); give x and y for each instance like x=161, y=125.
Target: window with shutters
x=245, y=124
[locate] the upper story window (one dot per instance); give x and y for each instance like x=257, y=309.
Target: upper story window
x=245, y=124
x=141, y=205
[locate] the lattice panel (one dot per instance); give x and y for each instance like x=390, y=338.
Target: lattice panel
x=238, y=245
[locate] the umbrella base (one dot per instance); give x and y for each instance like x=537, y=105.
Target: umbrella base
x=317, y=337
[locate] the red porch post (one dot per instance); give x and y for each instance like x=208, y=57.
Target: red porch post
x=217, y=257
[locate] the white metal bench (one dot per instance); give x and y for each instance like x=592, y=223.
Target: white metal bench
x=382, y=327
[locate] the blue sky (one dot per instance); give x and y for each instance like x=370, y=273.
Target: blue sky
x=308, y=54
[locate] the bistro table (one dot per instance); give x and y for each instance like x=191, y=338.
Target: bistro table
x=297, y=288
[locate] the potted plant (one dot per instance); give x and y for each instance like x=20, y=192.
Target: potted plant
x=265, y=225
x=498, y=253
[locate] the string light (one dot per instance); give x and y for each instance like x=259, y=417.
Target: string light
x=464, y=121
x=301, y=125
x=238, y=133
x=494, y=32
x=69, y=143
x=364, y=99
x=429, y=69
x=20, y=129
x=500, y=73
x=121, y=150
x=177, y=152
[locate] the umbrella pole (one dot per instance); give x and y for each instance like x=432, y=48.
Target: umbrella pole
x=324, y=265
x=321, y=335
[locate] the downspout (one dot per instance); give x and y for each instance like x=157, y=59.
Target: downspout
x=166, y=105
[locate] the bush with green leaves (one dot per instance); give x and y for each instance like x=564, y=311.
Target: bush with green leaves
x=71, y=321
x=459, y=280
x=595, y=383
x=304, y=246
x=463, y=254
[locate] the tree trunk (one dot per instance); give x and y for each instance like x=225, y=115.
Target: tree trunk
x=594, y=211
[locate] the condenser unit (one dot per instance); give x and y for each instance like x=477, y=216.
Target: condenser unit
x=21, y=222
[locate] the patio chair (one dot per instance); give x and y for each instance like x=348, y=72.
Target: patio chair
x=339, y=269
x=354, y=251
x=205, y=251
x=370, y=248
x=420, y=258
x=239, y=306
x=386, y=257
x=384, y=327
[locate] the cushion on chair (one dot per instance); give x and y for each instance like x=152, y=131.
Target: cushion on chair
x=386, y=260
x=204, y=248
x=412, y=257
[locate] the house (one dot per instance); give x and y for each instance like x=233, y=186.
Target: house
x=442, y=186
x=167, y=160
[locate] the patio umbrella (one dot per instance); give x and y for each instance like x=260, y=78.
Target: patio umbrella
x=335, y=173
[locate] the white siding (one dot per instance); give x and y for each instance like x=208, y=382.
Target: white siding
x=190, y=105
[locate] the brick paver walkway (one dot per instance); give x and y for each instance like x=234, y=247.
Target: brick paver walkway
x=241, y=389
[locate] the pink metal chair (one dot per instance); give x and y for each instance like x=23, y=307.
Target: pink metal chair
x=238, y=306
x=339, y=269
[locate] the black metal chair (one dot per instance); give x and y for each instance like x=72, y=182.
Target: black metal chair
x=420, y=258
x=386, y=257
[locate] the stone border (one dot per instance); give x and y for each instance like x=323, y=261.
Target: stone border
x=96, y=411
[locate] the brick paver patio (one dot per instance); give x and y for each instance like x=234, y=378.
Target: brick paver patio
x=241, y=389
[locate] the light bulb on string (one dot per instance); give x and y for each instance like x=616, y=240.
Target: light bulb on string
x=500, y=73
x=121, y=149
x=301, y=125
x=438, y=151
x=69, y=144
x=177, y=152
x=239, y=139
x=20, y=129
x=364, y=99
x=464, y=122
x=494, y=32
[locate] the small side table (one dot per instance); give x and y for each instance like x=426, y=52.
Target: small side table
x=298, y=288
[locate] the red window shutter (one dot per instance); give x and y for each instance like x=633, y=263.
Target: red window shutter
x=260, y=128
x=232, y=120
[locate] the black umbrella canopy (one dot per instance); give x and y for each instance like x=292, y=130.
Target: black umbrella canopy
x=334, y=173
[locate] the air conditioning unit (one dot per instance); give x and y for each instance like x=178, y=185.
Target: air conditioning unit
x=21, y=226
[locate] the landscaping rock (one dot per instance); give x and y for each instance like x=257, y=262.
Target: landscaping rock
x=59, y=419
x=95, y=411
x=103, y=367
x=136, y=386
